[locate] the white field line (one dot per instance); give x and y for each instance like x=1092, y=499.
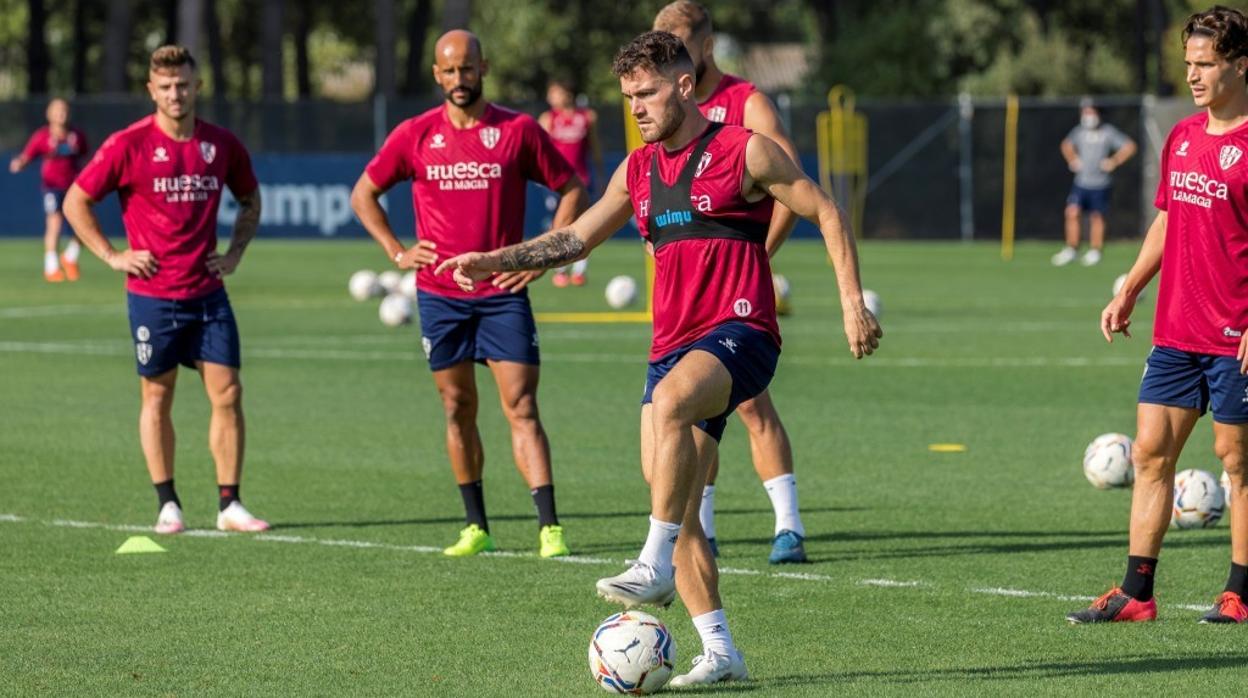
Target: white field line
x=575, y=559
x=1008, y=362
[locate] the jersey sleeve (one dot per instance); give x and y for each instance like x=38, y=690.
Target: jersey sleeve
x=104, y=173
x=1072, y=135
x=36, y=146
x=393, y=163
x=1117, y=139
x=241, y=178
x=543, y=163
x=1162, y=200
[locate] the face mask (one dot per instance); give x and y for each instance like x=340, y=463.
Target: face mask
x=1090, y=120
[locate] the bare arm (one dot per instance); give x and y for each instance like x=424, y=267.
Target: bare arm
x=770, y=171
x=1117, y=315
x=761, y=117
x=555, y=248
x=86, y=226
x=366, y=202
x=572, y=201
x=245, y=226
x=1069, y=154
x=1126, y=152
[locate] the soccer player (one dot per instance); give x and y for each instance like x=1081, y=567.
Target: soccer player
x=62, y=148
x=1200, y=355
x=575, y=133
x=702, y=193
x=730, y=100
x=168, y=170
x=1093, y=150
x=469, y=161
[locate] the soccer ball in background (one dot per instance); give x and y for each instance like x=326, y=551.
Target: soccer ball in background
x=1225, y=481
x=1107, y=461
x=390, y=280
x=781, y=285
x=1198, y=500
x=408, y=285
x=872, y=300
x=363, y=285
x=395, y=310
x=1122, y=279
x=633, y=653
x=621, y=292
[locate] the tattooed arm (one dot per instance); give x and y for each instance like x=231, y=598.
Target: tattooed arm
x=555, y=248
x=572, y=201
x=244, y=231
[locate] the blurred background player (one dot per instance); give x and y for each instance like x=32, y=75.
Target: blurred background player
x=63, y=149
x=575, y=133
x=1093, y=150
x=716, y=337
x=168, y=170
x=731, y=100
x=1200, y=335
x=469, y=161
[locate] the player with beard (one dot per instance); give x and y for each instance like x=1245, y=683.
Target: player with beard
x=469, y=162
x=703, y=194
x=731, y=100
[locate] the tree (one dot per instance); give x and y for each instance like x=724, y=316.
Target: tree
x=385, y=50
x=37, y=63
x=272, y=33
x=116, y=46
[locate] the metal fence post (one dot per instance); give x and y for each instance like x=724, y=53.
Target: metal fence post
x=966, y=171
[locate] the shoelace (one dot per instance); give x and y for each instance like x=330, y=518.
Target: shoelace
x=1103, y=601
x=1236, y=606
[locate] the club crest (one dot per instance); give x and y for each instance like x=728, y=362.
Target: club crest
x=702, y=164
x=143, y=352
x=490, y=136
x=209, y=151
x=1229, y=156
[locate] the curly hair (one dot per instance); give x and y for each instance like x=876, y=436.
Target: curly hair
x=171, y=57
x=653, y=51
x=1227, y=28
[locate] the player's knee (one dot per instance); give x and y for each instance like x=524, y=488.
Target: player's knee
x=228, y=397
x=522, y=411
x=459, y=405
x=1232, y=456
x=759, y=416
x=669, y=408
x=1150, y=461
x=1072, y=213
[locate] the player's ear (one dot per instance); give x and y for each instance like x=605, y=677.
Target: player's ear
x=684, y=83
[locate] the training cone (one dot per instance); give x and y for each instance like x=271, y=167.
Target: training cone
x=139, y=544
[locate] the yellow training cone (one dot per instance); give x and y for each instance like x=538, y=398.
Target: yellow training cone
x=139, y=544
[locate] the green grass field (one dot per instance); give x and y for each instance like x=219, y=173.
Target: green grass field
x=931, y=573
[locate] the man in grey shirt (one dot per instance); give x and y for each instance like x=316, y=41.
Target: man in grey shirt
x=1093, y=150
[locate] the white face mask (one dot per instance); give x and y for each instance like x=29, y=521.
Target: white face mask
x=1090, y=120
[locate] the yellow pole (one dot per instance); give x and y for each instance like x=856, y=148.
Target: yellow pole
x=1010, y=181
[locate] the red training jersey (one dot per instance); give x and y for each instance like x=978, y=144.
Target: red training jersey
x=170, y=191
x=726, y=104
x=62, y=157
x=703, y=282
x=1202, y=302
x=570, y=132
x=468, y=184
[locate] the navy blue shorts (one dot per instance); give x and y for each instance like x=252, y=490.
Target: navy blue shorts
x=52, y=200
x=171, y=332
x=1176, y=378
x=496, y=328
x=750, y=356
x=1093, y=200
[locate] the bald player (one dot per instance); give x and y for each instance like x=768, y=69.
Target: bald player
x=731, y=100
x=469, y=162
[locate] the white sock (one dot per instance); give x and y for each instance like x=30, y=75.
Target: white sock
x=71, y=251
x=706, y=512
x=713, y=629
x=579, y=267
x=660, y=544
x=783, y=493
x=50, y=263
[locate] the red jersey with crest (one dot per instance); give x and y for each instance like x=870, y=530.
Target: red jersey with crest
x=1202, y=302
x=468, y=185
x=62, y=157
x=727, y=103
x=570, y=131
x=170, y=191
x=703, y=282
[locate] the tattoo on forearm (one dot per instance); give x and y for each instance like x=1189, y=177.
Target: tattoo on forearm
x=550, y=250
x=247, y=221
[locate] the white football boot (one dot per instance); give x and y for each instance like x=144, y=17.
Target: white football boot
x=1066, y=256
x=236, y=518
x=170, y=519
x=712, y=667
x=638, y=585
x=1091, y=258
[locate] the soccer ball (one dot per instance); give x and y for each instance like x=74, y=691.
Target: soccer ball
x=1198, y=500
x=632, y=652
x=621, y=292
x=395, y=310
x=408, y=285
x=390, y=280
x=872, y=300
x=1225, y=481
x=1107, y=461
x=1122, y=279
x=783, y=290
x=363, y=285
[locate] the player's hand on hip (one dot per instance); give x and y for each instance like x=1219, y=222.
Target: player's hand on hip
x=222, y=265
x=419, y=256
x=515, y=281
x=1075, y=165
x=1116, y=317
x=467, y=270
x=862, y=330
x=1108, y=165
x=1242, y=354
x=140, y=263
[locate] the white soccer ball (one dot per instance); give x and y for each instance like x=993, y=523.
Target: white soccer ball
x=783, y=291
x=1198, y=500
x=872, y=300
x=1107, y=461
x=390, y=280
x=1122, y=279
x=1225, y=481
x=621, y=292
x=408, y=285
x=395, y=310
x=632, y=652
x=363, y=285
